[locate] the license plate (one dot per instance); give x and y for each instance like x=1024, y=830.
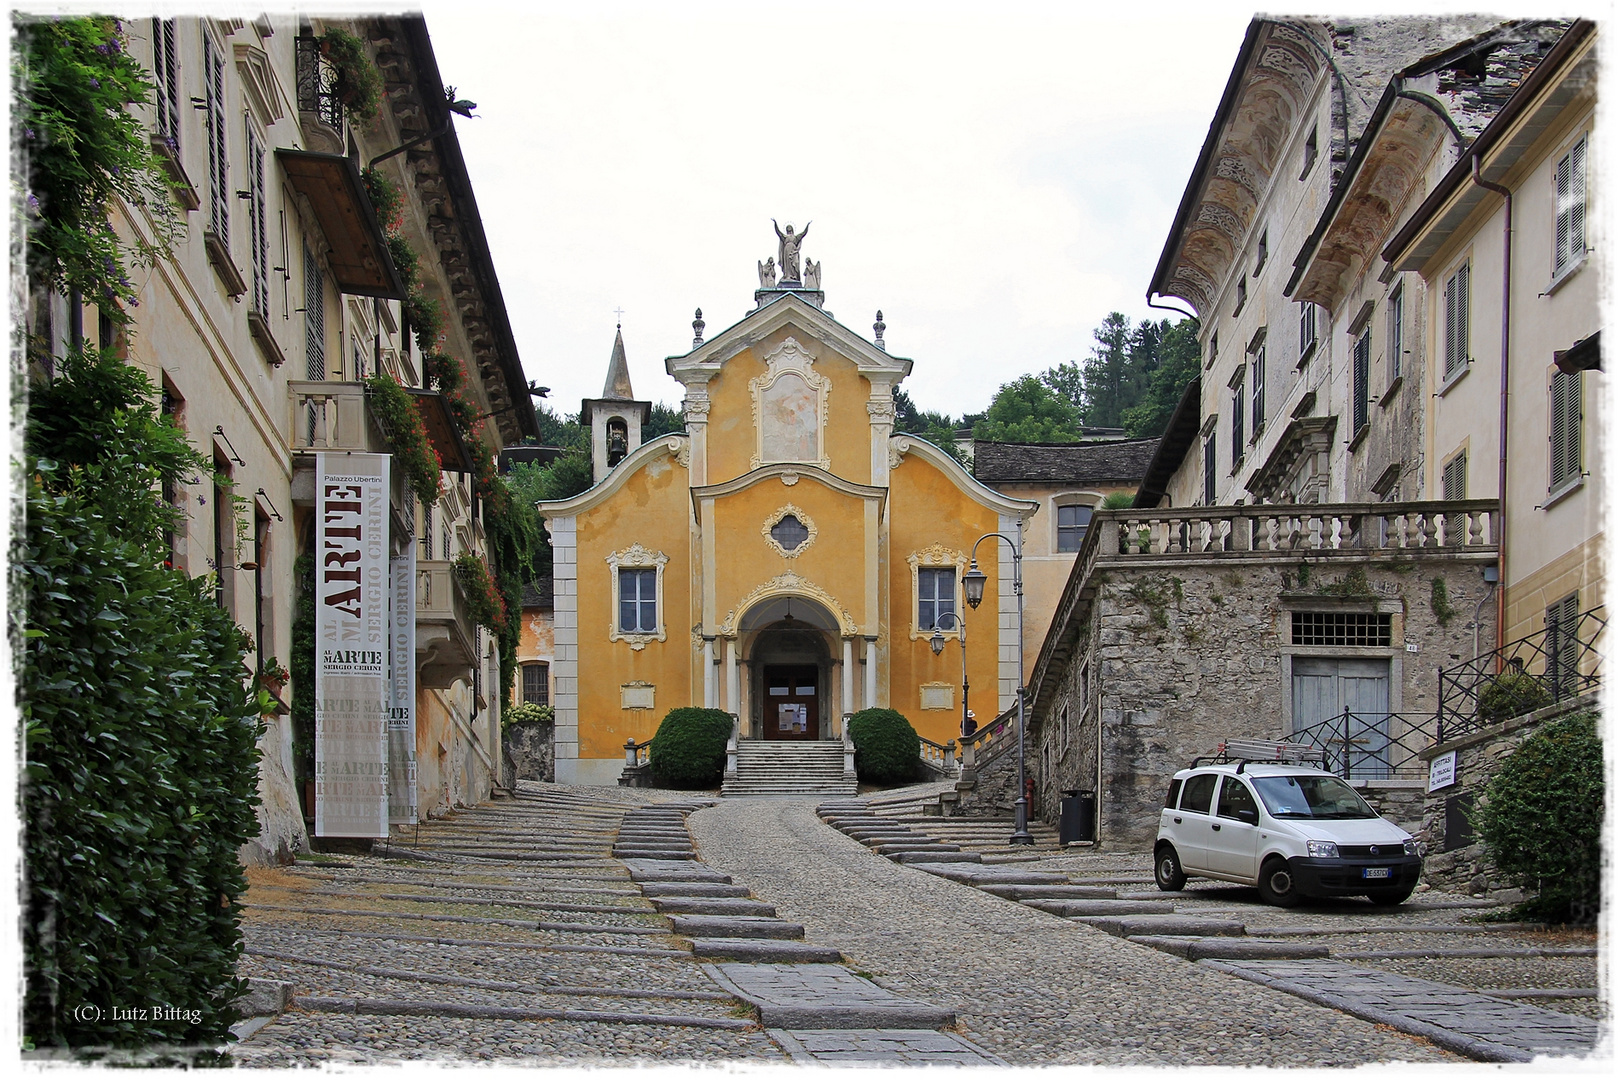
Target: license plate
x=1371, y=873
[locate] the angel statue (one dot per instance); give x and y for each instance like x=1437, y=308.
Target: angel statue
x=787, y=247
x=767, y=273
x=812, y=275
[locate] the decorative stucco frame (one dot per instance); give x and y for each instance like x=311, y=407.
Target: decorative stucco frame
x=775, y=519
x=942, y=692
x=636, y=557
x=790, y=584
x=790, y=358
x=937, y=555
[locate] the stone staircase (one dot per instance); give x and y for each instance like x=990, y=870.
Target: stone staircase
x=789, y=768
x=918, y=810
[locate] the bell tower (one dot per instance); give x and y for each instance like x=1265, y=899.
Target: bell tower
x=615, y=418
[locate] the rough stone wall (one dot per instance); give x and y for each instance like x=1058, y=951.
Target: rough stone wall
x=995, y=789
x=526, y=751
x=1469, y=869
x=1187, y=652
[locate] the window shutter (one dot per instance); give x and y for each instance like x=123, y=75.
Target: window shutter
x=1566, y=428
x=1237, y=422
x=219, y=219
x=1561, y=244
x=1577, y=201
x=1359, y=381
x=314, y=318
x=1259, y=388
x=257, y=237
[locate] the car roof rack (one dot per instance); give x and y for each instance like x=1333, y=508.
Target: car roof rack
x=1256, y=751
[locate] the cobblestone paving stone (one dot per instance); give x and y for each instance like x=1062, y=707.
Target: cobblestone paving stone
x=493, y=956
x=1029, y=987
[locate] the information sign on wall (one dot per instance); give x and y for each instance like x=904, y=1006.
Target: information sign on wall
x=1443, y=771
x=351, y=645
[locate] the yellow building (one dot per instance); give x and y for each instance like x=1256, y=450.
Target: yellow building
x=787, y=559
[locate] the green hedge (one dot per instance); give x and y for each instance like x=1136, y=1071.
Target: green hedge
x=689, y=750
x=140, y=782
x=1512, y=694
x=886, y=746
x=1542, y=820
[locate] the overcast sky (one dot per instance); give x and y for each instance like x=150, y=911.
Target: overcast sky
x=995, y=177
x=995, y=180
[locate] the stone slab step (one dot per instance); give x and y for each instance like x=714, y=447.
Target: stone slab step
x=654, y=889
x=651, y=853
x=864, y=822
x=747, y=926
x=1203, y=948
x=655, y=843
x=891, y=846
x=934, y=855
x=1050, y=892
x=764, y=951
x=666, y=870
x=712, y=905
x=1080, y=908
x=1167, y=925
x=824, y=997
x=979, y=875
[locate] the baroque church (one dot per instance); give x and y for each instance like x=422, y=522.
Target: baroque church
x=788, y=559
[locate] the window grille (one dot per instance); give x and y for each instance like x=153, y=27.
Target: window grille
x=1072, y=523
x=219, y=193
x=1359, y=376
x=936, y=596
x=638, y=601
x=1344, y=628
x=1566, y=429
x=1456, y=314
x=537, y=684
x=789, y=533
x=1569, y=234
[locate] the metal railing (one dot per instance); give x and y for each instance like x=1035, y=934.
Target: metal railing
x=1544, y=668
x=317, y=82
x=1371, y=746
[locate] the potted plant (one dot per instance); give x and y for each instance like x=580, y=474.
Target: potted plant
x=274, y=677
x=357, y=84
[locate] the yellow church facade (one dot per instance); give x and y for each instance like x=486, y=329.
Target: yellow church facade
x=787, y=559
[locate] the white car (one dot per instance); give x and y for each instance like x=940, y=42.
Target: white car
x=1290, y=830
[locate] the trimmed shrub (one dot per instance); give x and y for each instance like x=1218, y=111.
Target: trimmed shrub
x=886, y=746
x=1542, y=820
x=527, y=712
x=1512, y=694
x=689, y=750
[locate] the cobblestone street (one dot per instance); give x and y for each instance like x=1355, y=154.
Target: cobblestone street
x=571, y=926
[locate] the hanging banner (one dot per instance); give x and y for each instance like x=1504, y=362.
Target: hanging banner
x=402, y=683
x=351, y=645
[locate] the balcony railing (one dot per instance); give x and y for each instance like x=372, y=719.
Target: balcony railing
x=1543, y=668
x=1315, y=527
x=316, y=82
x=331, y=416
x=439, y=594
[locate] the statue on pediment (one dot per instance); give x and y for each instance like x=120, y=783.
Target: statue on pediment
x=812, y=275
x=767, y=273
x=787, y=249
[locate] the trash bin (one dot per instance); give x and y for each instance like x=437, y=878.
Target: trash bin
x=1077, y=819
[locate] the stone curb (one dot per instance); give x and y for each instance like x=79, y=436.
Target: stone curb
x=1466, y=1045
x=713, y=905
x=873, y=1007
x=654, y=890
x=1050, y=892
x=391, y=1007
x=743, y=926
x=963, y=1054
x=934, y=855
x=758, y=951
x=1200, y=948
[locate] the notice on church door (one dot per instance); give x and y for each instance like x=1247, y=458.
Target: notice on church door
x=352, y=599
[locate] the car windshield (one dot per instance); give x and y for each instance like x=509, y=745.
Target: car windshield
x=1310, y=797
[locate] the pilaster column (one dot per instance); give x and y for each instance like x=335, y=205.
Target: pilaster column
x=871, y=673
x=880, y=411
x=733, y=682
x=847, y=701
x=711, y=692
x=697, y=429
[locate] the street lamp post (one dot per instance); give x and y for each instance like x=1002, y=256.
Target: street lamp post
x=937, y=643
x=973, y=584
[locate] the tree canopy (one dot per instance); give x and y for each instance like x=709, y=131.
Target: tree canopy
x=1026, y=410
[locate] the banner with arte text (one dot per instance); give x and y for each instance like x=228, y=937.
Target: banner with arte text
x=402, y=683
x=352, y=600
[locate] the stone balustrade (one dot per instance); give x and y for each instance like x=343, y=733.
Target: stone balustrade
x=331, y=416
x=939, y=759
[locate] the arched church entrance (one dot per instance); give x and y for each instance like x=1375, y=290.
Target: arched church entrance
x=788, y=644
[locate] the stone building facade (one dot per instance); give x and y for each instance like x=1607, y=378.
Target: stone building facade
x=280, y=296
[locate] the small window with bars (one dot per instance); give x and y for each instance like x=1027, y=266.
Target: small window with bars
x=537, y=684
x=1344, y=628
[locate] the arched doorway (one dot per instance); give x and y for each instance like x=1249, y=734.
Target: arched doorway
x=788, y=645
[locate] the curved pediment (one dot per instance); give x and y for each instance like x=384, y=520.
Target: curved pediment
x=807, y=322
x=676, y=447
x=901, y=445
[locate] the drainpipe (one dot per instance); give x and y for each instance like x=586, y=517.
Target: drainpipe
x=1502, y=417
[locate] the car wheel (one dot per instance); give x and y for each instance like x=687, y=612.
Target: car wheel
x=1391, y=897
x=1277, y=884
x=1167, y=869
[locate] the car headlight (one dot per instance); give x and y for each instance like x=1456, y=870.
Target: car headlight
x=1321, y=849
x=1411, y=848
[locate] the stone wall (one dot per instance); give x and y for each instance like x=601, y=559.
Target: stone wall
x=527, y=753
x=1178, y=654
x=1468, y=868
x=994, y=788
